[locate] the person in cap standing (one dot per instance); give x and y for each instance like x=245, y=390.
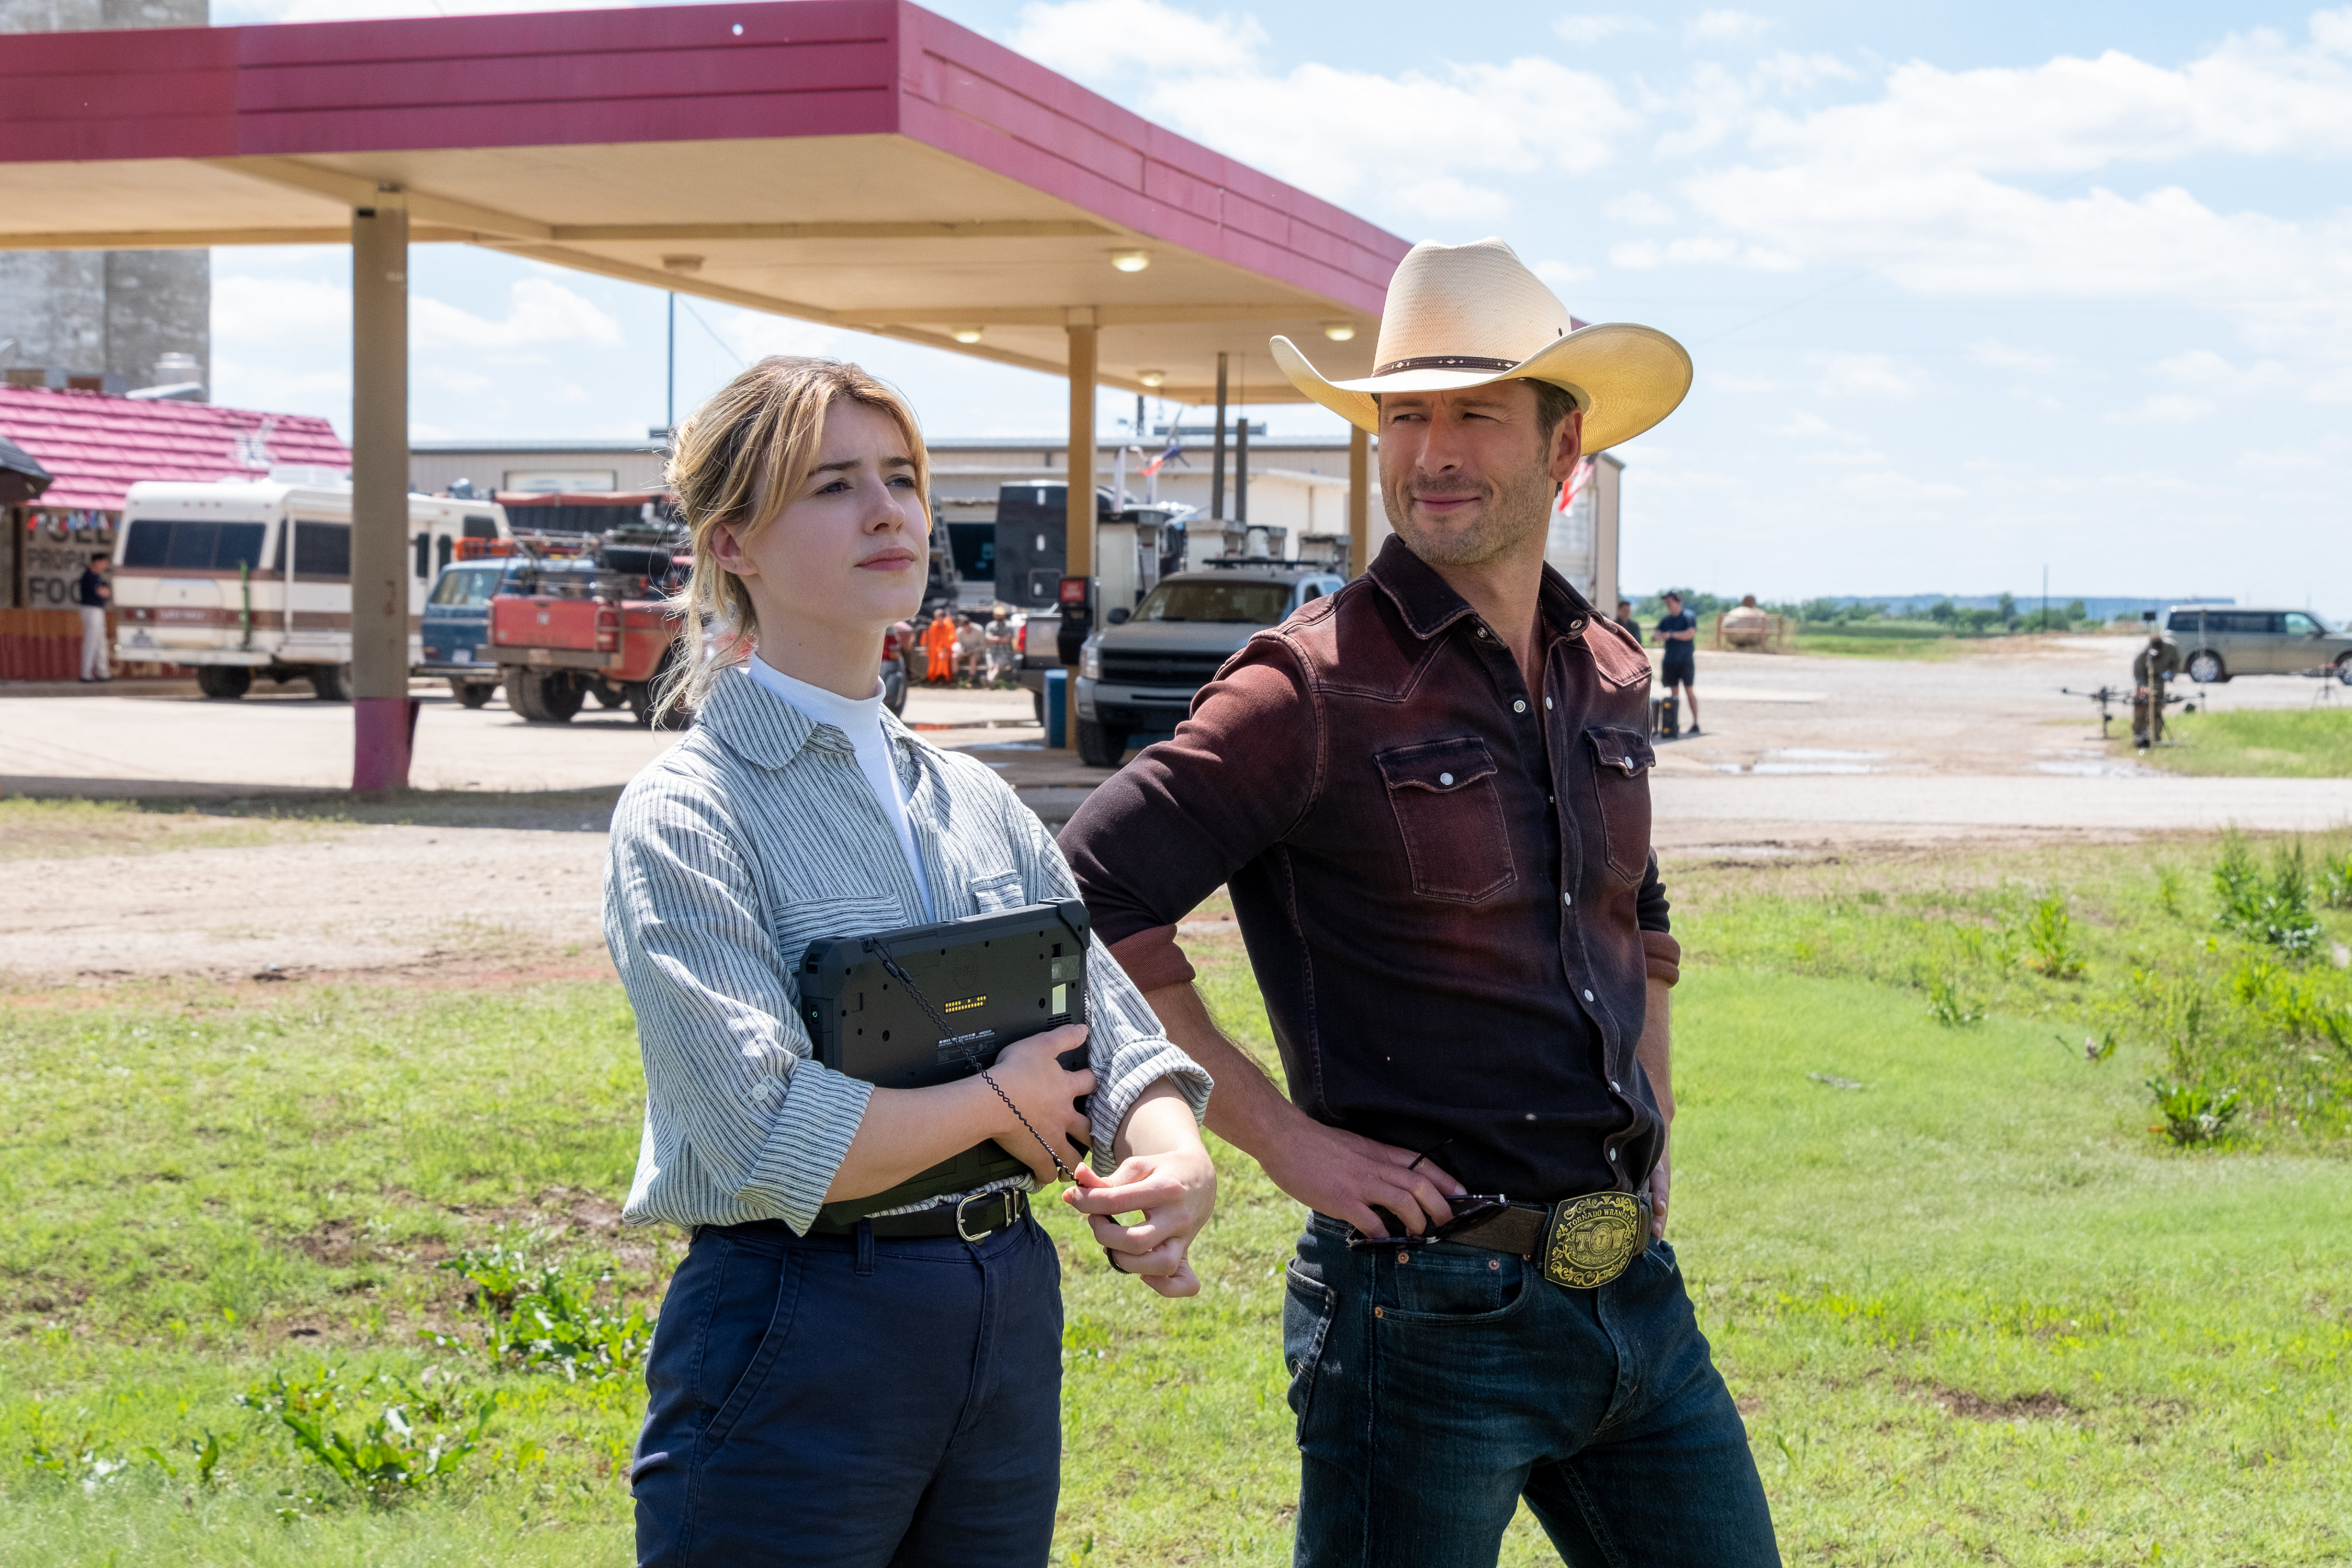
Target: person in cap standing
x=1428, y=794
x=1678, y=634
x=92, y=592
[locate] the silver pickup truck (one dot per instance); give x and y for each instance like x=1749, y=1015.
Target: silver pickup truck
x=1137, y=675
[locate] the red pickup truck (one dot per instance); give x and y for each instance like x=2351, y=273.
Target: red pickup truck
x=591, y=622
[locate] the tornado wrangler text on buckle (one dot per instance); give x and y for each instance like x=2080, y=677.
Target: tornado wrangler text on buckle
x=1592, y=1239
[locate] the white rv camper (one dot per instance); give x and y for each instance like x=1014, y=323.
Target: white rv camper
x=246, y=580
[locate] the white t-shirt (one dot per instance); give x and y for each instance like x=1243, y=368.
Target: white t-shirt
x=861, y=721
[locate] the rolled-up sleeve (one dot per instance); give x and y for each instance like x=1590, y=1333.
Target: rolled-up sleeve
x=1126, y=1045
x=739, y=1119
x=1166, y=831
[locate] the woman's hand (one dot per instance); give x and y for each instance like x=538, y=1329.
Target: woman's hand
x=1031, y=1078
x=1165, y=1174
x=1174, y=1193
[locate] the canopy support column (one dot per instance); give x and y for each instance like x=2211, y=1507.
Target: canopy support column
x=1079, y=544
x=1360, y=499
x=383, y=719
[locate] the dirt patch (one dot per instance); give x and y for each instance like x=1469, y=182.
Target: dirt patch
x=2042, y=1406
x=414, y=904
x=338, y=1244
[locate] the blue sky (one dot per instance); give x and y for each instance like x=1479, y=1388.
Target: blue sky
x=1973, y=290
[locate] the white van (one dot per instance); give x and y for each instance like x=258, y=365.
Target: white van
x=201, y=576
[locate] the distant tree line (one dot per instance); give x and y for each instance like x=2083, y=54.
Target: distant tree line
x=1944, y=616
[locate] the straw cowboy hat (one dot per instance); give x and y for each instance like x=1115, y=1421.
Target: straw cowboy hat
x=1465, y=315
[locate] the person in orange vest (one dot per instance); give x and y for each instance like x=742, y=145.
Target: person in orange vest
x=939, y=642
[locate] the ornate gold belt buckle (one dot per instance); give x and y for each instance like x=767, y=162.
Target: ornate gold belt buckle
x=1593, y=1239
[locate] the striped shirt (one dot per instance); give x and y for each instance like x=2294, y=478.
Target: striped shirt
x=752, y=837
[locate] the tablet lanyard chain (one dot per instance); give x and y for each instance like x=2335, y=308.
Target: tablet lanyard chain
x=947, y=1033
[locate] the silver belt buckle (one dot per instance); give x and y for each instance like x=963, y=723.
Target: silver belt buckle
x=1004, y=1193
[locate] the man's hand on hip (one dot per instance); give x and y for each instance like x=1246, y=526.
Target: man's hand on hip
x=1337, y=1173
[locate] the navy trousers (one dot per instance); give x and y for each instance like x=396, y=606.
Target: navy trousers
x=1435, y=1386
x=844, y=1401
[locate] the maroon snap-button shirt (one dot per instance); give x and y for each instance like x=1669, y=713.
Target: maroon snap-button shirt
x=1443, y=880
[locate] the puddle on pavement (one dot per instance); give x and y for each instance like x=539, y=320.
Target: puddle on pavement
x=2079, y=764
x=1807, y=760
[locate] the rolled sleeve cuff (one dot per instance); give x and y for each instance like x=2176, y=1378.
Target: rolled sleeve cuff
x=1664, y=955
x=1134, y=1067
x=1152, y=960
x=821, y=1112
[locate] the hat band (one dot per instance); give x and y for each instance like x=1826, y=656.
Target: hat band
x=1443, y=362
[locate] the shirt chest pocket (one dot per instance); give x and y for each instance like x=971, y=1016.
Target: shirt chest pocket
x=994, y=891
x=1620, y=788
x=1449, y=808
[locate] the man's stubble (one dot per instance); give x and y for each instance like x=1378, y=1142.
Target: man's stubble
x=1516, y=508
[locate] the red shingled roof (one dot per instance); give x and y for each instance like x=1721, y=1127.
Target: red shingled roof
x=99, y=446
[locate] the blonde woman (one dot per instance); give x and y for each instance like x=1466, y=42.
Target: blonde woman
x=830, y=1384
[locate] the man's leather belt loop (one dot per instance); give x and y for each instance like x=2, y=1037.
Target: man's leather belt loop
x=1579, y=1243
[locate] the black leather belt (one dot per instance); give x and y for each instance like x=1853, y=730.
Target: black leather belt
x=973, y=1218
x=1580, y=1243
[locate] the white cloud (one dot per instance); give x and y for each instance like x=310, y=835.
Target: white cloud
x=1640, y=208
x=1813, y=427
x=257, y=310
x=2164, y=409
x=1647, y=256
x=1590, y=29
x=1091, y=38
x=2036, y=397
x=1455, y=142
x=2008, y=356
x=540, y=312
x=1725, y=28
x=1864, y=375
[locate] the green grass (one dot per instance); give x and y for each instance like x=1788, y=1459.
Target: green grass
x=1975, y=1309
x=2263, y=743
x=1877, y=639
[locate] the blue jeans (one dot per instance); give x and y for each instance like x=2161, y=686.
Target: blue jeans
x=845, y=1401
x=1436, y=1386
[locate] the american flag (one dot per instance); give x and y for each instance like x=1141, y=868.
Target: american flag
x=1578, y=478
x=1175, y=446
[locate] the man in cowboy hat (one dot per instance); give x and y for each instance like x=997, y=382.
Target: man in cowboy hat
x=1428, y=794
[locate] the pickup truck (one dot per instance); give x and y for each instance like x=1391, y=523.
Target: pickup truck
x=564, y=626
x=1137, y=675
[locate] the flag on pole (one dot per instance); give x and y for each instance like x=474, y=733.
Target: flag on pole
x=1175, y=447
x=1579, y=477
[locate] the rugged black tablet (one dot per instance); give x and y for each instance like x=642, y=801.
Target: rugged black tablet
x=991, y=979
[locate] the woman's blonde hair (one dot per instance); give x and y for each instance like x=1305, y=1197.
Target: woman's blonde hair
x=740, y=459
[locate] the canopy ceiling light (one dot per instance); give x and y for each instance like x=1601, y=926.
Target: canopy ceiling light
x=1340, y=331
x=1151, y=377
x=1130, y=260
x=966, y=334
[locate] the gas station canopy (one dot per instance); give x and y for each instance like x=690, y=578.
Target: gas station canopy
x=861, y=164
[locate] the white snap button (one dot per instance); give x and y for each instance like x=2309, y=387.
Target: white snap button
x=1613, y=1084
x=1518, y=705
x=1482, y=630
x=1445, y=779
x=1547, y=705
x=1588, y=996
x=1612, y=1154
x=1568, y=898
